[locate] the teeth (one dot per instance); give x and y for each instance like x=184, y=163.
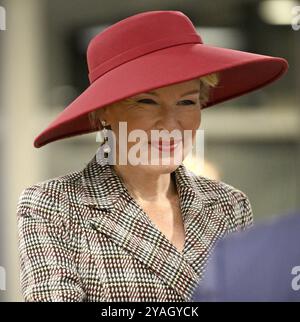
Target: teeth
x=165, y=145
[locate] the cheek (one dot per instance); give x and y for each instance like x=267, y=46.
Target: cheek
x=137, y=126
x=138, y=120
x=197, y=120
x=131, y=119
x=191, y=120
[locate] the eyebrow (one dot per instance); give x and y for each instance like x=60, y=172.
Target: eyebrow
x=184, y=94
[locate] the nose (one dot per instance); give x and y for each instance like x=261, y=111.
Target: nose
x=168, y=119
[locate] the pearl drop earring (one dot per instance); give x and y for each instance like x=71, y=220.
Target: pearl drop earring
x=104, y=145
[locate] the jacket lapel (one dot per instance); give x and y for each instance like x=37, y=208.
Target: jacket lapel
x=126, y=223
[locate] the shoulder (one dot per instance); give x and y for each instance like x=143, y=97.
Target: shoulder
x=49, y=199
x=221, y=189
x=232, y=201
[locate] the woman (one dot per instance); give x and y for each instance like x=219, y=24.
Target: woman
x=137, y=231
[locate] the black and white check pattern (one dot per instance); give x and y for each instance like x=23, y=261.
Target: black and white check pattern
x=82, y=237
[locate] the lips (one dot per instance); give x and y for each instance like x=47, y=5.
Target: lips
x=165, y=145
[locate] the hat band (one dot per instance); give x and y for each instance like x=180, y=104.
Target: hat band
x=142, y=50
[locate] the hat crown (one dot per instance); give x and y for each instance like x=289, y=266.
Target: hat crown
x=138, y=35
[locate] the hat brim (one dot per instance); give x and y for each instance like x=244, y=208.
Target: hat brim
x=241, y=72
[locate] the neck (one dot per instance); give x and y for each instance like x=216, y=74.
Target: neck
x=146, y=186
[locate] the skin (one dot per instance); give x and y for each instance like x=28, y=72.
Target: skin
x=167, y=111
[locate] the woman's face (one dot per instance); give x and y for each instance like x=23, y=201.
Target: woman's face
x=174, y=107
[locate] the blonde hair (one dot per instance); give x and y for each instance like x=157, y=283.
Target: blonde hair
x=206, y=82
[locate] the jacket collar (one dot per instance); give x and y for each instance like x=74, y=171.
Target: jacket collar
x=119, y=217
x=103, y=187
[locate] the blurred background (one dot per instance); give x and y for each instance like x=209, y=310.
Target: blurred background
x=252, y=142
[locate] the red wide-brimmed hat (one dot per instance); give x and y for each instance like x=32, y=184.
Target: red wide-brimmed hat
x=154, y=49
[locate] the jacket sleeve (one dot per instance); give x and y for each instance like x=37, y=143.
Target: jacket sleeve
x=46, y=249
x=243, y=211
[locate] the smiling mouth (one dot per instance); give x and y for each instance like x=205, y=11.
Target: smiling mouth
x=165, y=145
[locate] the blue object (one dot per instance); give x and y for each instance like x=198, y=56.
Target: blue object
x=260, y=264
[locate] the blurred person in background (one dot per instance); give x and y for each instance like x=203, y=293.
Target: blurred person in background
x=261, y=264
x=136, y=232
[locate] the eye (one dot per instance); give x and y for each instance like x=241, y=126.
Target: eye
x=189, y=102
x=150, y=101
x=146, y=101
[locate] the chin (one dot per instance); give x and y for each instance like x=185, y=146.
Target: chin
x=158, y=169
x=169, y=166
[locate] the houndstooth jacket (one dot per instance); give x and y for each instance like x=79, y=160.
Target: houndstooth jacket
x=82, y=237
